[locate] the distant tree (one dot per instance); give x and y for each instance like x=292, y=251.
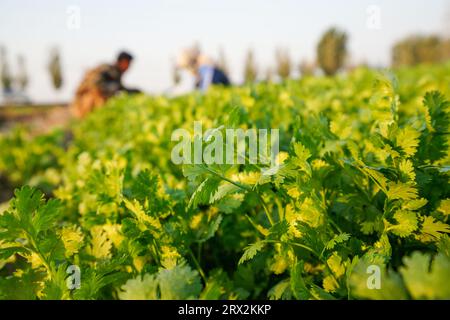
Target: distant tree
x=54, y=68
x=22, y=77
x=5, y=74
x=269, y=75
x=176, y=77
x=416, y=49
x=250, y=68
x=307, y=68
x=332, y=50
x=222, y=63
x=283, y=63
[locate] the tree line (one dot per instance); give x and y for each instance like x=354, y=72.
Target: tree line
x=331, y=52
x=332, y=56
x=18, y=81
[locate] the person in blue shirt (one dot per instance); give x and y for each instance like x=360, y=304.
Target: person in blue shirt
x=203, y=68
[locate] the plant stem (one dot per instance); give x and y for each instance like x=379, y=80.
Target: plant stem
x=244, y=187
x=197, y=265
x=254, y=224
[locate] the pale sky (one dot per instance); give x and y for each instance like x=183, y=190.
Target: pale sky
x=154, y=31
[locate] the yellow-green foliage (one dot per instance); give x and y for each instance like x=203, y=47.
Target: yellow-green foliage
x=362, y=180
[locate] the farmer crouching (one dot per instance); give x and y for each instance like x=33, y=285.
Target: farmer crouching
x=100, y=84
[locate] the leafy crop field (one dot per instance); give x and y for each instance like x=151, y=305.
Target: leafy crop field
x=357, y=209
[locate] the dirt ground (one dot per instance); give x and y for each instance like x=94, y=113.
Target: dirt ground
x=40, y=119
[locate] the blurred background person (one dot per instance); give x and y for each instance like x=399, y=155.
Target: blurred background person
x=100, y=84
x=205, y=71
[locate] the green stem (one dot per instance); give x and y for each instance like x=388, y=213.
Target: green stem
x=36, y=250
x=266, y=209
x=197, y=265
x=319, y=257
x=295, y=245
x=244, y=187
x=280, y=209
x=334, y=225
x=199, y=252
x=254, y=224
x=228, y=180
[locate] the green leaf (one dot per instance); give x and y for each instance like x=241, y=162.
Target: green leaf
x=251, y=251
x=26, y=202
x=224, y=190
x=47, y=215
x=423, y=281
x=6, y=252
x=434, y=143
x=141, y=288
x=298, y=286
x=144, y=185
x=194, y=171
x=302, y=154
x=234, y=117
x=281, y=290
x=408, y=140
x=206, y=232
x=432, y=230
x=204, y=192
x=391, y=285
x=56, y=287
x=278, y=230
x=407, y=223
x=340, y=238
x=401, y=191
x=179, y=283
x=216, y=286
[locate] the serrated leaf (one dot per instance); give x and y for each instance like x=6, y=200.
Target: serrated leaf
x=407, y=169
x=340, y=238
x=278, y=230
x=408, y=140
x=407, y=223
x=251, y=251
x=136, y=208
x=204, y=192
x=192, y=172
x=336, y=265
x=444, y=207
x=100, y=244
x=414, y=204
x=72, y=238
x=47, y=215
x=432, y=230
x=401, y=191
x=224, y=190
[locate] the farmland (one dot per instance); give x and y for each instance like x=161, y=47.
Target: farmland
x=357, y=208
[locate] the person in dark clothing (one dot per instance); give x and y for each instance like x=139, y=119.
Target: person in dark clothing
x=100, y=84
x=208, y=75
x=205, y=71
